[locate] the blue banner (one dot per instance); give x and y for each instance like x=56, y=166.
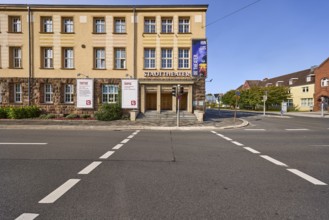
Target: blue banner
x=199, y=57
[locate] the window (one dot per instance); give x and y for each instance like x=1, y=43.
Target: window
x=120, y=25
x=110, y=93
x=47, y=24
x=18, y=93
x=290, y=103
x=149, y=25
x=149, y=58
x=99, y=25
x=324, y=82
x=184, y=25
x=183, y=58
x=15, y=57
x=67, y=25
x=15, y=24
x=47, y=60
x=68, y=93
x=68, y=58
x=308, y=78
x=306, y=102
x=120, y=58
x=48, y=93
x=166, y=58
x=305, y=89
x=99, y=58
x=166, y=25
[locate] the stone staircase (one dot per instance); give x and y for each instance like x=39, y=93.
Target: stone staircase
x=167, y=117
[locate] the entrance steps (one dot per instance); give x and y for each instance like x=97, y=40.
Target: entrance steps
x=167, y=117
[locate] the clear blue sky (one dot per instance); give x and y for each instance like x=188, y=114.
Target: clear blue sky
x=267, y=39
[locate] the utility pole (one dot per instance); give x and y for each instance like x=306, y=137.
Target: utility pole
x=264, y=100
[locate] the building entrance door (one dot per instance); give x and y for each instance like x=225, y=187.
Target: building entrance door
x=183, y=102
x=151, y=101
x=166, y=102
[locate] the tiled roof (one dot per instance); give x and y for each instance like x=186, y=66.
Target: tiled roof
x=297, y=79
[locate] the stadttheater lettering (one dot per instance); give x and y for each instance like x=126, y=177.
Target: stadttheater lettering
x=167, y=74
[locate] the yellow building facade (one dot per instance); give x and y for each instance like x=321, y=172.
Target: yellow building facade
x=45, y=49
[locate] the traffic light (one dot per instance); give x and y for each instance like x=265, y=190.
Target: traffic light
x=174, y=91
x=181, y=90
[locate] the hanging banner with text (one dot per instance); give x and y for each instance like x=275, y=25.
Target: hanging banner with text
x=130, y=93
x=199, y=57
x=85, y=93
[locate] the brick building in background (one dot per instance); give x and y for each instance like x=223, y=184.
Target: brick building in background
x=321, y=93
x=46, y=49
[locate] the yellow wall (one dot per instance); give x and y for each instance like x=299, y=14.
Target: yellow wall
x=297, y=94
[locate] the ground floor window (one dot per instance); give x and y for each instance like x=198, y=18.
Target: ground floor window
x=48, y=93
x=68, y=93
x=110, y=93
x=306, y=102
x=290, y=103
x=18, y=93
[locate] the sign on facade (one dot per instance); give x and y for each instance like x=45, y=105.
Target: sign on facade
x=199, y=57
x=130, y=93
x=85, y=93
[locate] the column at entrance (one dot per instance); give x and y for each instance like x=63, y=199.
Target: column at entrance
x=190, y=99
x=143, y=98
x=159, y=98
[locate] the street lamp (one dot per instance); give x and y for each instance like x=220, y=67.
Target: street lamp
x=264, y=100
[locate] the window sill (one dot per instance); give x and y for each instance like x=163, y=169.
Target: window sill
x=167, y=33
x=167, y=69
x=42, y=68
x=67, y=32
x=120, y=69
x=150, y=33
x=46, y=32
x=63, y=68
x=149, y=69
x=68, y=103
x=184, y=69
x=99, y=69
x=119, y=33
x=47, y=103
x=99, y=33
x=11, y=32
x=16, y=68
x=184, y=33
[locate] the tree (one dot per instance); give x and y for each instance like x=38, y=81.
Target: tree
x=229, y=98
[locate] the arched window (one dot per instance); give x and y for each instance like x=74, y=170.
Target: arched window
x=324, y=82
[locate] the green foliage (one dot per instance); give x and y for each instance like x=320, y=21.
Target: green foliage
x=72, y=116
x=47, y=116
x=109, y=112
x=85, y=116
x=20, y=112
x=229, y=98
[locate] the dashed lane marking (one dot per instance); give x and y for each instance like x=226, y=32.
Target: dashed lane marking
x=307, y=177
x=90, y=167
x=27, y=216
x=60, y=191
x=237, y=143
x=118, y=146
x=252, y=150
x=273, y=160
x=23, y=143
x=125, y=141
x=297, y=129
x=227, y=138
x=250, y=129
x=107, y=155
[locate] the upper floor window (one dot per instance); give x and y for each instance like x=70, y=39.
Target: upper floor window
x=18, y=93
x=15, y=24
x=183, y=58
x=305, y=89
x=166, y=59
x=67, y=25
x=120, y=58
x=47, y=58
x=149, y=58
x=184, y=25
x=324, y=82
x=166, y=25
x=110, y=93
x=99, y=58
x=120, y=25
x=99, y=25
x=47, y=24
x=15, y=54
x=68, y=58
x=68, y=93
x=149, y=25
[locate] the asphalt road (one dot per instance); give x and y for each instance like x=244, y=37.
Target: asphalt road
x=276, y=168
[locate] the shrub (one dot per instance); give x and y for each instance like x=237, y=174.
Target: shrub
x=32, y=111
x=71, y=116
x=3, y=112
x=85, y=116
x=108, y=112
x=17, y=113
x=47, y=116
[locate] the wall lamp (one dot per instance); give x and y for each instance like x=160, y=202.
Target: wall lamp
x=81, y=74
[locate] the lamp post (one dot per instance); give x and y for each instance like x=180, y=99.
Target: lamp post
x=264, y=100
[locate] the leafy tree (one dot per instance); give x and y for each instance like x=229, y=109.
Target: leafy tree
x=229, y=98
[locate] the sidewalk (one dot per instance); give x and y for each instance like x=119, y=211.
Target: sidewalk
x=220, y=123
x=302, y=114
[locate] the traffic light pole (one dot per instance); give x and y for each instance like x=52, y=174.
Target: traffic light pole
x=178, y=113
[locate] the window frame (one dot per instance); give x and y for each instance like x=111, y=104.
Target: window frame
x=149, y=27
x=185, y=60
x=45, y=26
x=167, y=27
x=67, y=28
x=121, y=60
x=166, y=59
x=47, y=62
x=16, y=58
x=306, y=102
x=324, y=82
x=183, y=27
x=305, y=89
x=18, y=93
x=148, y=58
x=68, y=93
x=15, y=26
x=120, y=26
x=67, y=59
x=99, y=28
x=100, y=60
x=109, y=94
x=48, y=94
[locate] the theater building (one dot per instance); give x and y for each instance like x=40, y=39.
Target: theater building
x=48, y=53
